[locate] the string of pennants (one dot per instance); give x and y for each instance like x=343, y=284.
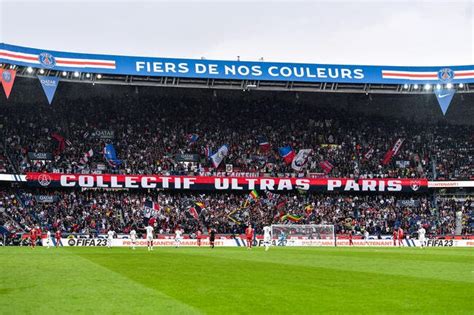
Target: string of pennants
x=50, y=84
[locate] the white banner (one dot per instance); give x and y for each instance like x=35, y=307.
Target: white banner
x=125, y=242
x=450, y=184
x=236, y=242
x=300, y=159
x=219, y=155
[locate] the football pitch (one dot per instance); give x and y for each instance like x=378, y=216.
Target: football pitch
x=236, y=281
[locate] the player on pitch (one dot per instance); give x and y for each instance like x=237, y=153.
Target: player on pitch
x=33, y=237
x=57, y=235
x=178, y=234
x=395, y=236
x=149, y=237
x=48, y=238
x=133, y=238
x=351, y=235
x=421, y=236
x=249, y=236
x=400, y=236
x=212, y=237
x=198, y=237
x=366, y=237
x=110, y=237
x=58, y=238
x=267, y=237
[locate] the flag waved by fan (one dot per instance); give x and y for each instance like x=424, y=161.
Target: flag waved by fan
x=150, y=209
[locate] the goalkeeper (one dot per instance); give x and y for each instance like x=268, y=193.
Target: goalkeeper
x=282, y=239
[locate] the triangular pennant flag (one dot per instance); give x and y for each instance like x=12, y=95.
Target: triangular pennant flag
x=49, y=85
x=8, y=77
x=444, y=97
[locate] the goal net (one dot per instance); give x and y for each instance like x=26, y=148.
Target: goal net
x=303, y=235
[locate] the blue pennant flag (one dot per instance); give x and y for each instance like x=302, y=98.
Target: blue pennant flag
x=49, y=85
x=444, y=97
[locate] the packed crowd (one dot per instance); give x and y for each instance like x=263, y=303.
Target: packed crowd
x=149, y=132
x=95, y=212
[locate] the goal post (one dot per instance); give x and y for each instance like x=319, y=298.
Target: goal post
x=304, y=235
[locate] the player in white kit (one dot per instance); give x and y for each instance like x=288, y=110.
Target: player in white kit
x=133, y=238
x=149, y=237
x=110, y=237
x=421, y=236
x=178, y=233
x=267, y=237
x=366, y=237
x=48, y=239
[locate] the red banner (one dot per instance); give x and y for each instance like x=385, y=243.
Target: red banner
x=216, y=183
x=392, y=152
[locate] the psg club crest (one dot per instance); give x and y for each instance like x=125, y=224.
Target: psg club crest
x=415, y=185
x=445, y=74
x=47, y=60
x=6, y=76
x=44, y=180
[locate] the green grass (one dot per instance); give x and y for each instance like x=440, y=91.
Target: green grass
x=236, y=281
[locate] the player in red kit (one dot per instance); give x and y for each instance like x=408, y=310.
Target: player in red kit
x=400, y=237
x=395, y=237
x=351, y=243
x=198, y=237
x=249, y=236
x=58, y=237
x=33, y=237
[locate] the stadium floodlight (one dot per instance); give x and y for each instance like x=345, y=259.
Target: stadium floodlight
x=405, y=86
x=76, y=74
x=88, y=75
x=449, y=85
x=29, y=70
x=415, y=86
x=427, y=86
x=99, y=76
x=12, y=66
x=438, y=86
x=41, y=71
x=64, y=73
x=461, y=85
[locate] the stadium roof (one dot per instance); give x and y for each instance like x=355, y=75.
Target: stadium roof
x=218, y=74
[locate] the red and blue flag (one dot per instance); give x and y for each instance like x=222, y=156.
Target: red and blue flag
x=287, y=153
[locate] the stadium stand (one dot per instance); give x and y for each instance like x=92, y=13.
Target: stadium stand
x=94, y=212
x=163, y=131
x=149, y=132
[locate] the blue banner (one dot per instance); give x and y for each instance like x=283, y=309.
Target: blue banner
x=111, y=156
x=444, y=97
x=284, y=151
x=233, y=70
x=49, y=84
x=287, y=153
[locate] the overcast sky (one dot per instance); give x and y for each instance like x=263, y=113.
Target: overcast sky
x=436, y=32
